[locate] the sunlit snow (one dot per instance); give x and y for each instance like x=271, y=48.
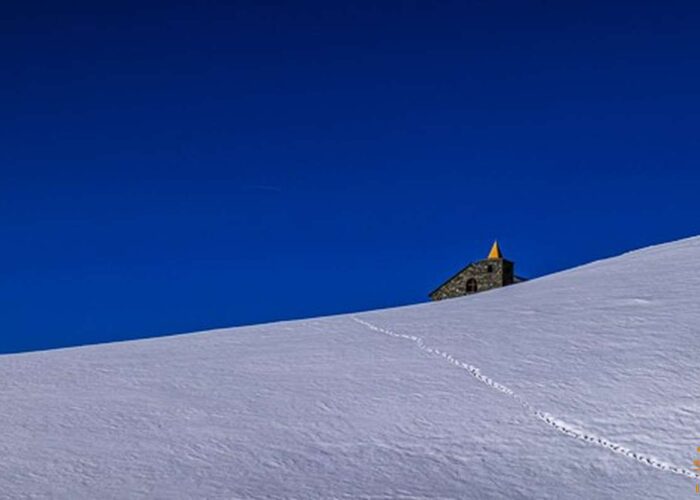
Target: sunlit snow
x=583, y=384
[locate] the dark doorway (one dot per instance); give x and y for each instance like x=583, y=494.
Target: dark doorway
x=471, y=285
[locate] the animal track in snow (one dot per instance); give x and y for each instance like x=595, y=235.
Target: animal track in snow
x=556, y=423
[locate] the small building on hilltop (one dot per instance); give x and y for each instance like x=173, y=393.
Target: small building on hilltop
x=479, y=276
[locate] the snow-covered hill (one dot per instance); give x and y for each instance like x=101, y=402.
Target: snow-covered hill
x=583, y=384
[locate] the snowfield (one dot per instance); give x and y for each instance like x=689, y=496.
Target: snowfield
x=583, y=384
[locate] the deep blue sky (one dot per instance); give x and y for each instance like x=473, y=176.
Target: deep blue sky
x=170, y=167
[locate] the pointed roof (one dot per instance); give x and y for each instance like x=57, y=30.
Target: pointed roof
x=495, y=252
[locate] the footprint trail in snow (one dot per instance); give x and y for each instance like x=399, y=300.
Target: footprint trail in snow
x=556, y=423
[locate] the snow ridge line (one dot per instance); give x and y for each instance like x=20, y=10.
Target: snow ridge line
x=554, y=422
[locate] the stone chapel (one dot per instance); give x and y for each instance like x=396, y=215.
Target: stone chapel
x=492, y=272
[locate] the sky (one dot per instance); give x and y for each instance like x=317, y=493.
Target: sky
x=168, y=167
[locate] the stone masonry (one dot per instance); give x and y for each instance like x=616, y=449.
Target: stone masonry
x=493, y=272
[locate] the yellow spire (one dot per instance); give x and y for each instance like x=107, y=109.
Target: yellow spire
x=495, y=252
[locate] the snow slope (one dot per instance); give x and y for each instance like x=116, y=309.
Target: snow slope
x=583, y=384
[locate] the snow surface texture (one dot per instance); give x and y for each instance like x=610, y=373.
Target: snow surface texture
x=582, y=384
